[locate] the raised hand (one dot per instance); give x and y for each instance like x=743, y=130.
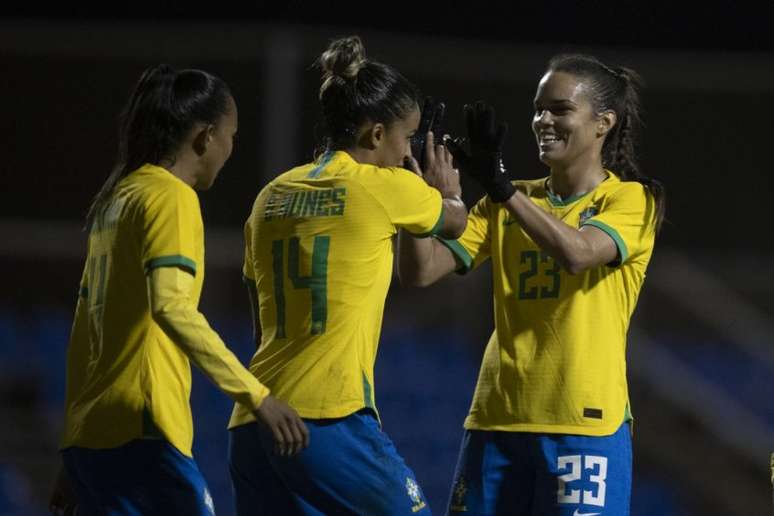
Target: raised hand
x=483, y=159
x=431, y=121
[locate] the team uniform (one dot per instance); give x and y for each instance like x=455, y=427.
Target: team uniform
x=319, y=251
x=549, y=417
x=128, y=428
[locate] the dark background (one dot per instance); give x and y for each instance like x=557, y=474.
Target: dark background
x=700, y=355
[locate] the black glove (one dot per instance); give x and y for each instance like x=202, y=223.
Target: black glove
x=484, y=159
x=431, y=120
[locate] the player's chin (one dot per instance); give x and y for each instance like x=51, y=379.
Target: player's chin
x=550, y=157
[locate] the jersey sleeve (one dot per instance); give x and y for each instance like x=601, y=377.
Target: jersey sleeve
x=171, y=229
x=408, y=201
x=628, y=217
x=177, y=315
x=473, y=247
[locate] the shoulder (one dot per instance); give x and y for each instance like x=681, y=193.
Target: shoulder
x=630, y=191
x=532, y=187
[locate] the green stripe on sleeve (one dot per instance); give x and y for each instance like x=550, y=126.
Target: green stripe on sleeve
x=462, y=255
x=182, y=262
x=436, y=228
x=623, y=252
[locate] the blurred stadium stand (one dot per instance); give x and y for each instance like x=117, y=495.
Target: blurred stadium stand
x=700, y=353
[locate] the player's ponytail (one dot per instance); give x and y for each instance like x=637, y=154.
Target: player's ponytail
x=356, y=90
x=162, y=109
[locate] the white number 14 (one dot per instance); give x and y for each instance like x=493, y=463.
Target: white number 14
x=573, y=464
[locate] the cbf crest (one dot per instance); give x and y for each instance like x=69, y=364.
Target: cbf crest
x=587, y=214
x=412, y=488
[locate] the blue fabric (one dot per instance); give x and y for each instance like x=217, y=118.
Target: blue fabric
x=519, y=473
x=350, y=467
x=142, y=477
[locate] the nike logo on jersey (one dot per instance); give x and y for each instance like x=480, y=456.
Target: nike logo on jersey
x=578, y=513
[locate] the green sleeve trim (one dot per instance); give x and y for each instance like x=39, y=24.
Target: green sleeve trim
x=623, y=252
x=177, y=260
x=438, y=225
x=460, y=253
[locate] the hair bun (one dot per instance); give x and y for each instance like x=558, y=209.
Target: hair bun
x=344, y=58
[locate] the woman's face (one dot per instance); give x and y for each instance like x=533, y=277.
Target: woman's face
x=564, y=123
x=396, y=140
x=220, y=146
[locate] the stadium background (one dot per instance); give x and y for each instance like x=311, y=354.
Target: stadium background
x=701, y=361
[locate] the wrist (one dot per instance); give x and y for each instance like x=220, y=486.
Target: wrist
x=501, y=191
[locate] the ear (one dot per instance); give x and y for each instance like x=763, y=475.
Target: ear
x=377, y=135
x=605, y=122
x=203, y=138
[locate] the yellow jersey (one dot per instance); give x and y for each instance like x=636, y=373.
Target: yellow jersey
x=319, y=249
x=556, y=362
x=126, y=379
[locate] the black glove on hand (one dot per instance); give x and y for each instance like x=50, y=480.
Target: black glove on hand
x=431, y=120
x=484, y=159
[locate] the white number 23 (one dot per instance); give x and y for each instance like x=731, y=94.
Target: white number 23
x=573, y=464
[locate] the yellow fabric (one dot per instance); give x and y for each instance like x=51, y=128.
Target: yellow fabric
x=556, y=361
x=319, y=248
x=126, y=377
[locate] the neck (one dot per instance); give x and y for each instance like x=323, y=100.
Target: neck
x=576, y=179
x=183, y=168
x=362, y=155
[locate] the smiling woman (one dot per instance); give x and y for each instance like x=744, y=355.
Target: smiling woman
x=548, y=430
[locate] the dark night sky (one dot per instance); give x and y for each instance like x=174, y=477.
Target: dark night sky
x=707, y=25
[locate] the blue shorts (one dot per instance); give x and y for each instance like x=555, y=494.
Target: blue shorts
x=517, y=473
x=142, y=477
x=350, y=467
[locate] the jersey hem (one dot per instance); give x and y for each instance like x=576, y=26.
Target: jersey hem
x=599, y=431
x=247, y=418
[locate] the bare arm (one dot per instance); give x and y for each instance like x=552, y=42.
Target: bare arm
x=575, y=249
x=423, y=261
x=440, y=174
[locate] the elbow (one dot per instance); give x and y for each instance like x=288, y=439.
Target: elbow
x=456, y=220
x=413, y=279
x=573, y=264
x=455, y=229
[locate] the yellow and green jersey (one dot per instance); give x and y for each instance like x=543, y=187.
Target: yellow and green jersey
x=125, y=378
x=319, y=249
x=556, y=362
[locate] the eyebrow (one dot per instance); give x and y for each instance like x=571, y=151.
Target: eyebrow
x=556, y=101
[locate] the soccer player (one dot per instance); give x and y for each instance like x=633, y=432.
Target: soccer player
x=128, y=431
x=318, y=263
x=549, y=428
